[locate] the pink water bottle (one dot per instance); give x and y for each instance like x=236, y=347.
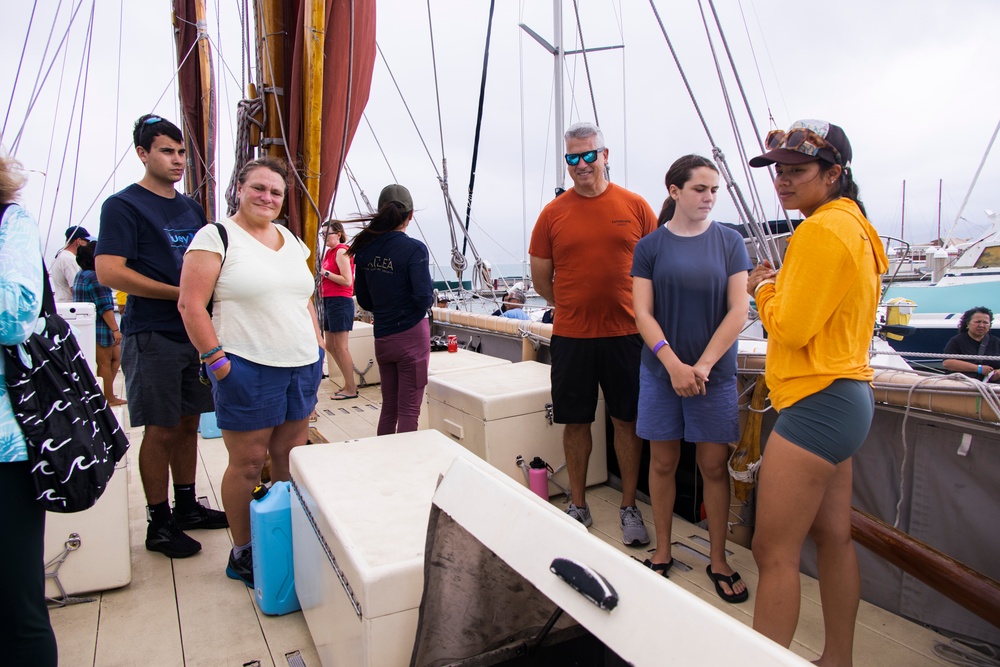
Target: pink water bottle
x=538, y=477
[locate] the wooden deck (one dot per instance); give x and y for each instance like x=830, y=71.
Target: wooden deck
x=187, y=612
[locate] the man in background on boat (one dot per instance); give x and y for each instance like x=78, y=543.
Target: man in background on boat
x=581, y=254
x=65, y=268
x=974, y=338
x=145, y=230
x=513, y=306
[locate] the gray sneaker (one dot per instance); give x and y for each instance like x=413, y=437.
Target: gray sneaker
x=581, y=514
x=633, y=529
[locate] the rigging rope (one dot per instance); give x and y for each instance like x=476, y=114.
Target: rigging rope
x=747, y=217
x=986, y=395
x=479, y=122
x=756, y=231
x=40, y=81
x=759, y=204
x=20, y=62
x=586, y=63
x=85, y=65
x=246, y=119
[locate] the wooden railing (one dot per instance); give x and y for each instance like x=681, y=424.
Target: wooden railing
x=960, y=583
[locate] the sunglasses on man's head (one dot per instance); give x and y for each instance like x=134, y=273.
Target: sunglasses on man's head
x=573, y=159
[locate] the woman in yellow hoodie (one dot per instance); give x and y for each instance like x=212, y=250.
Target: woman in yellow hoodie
x=819, y=313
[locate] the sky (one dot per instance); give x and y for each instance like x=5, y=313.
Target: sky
x=915, y=85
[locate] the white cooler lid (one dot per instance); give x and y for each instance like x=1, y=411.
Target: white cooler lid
x=375, y=496
x=495, y=393
x=528, y=535
x=362, y=330
x=461, y=360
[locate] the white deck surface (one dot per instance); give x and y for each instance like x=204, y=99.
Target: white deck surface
x=187, y=612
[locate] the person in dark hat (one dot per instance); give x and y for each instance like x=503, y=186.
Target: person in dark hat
x=393, y=281
x=65, y=268
x=819, y=313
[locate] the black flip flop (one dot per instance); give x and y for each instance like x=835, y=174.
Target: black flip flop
x=659, y=568
x=732, y=598
x=342, y=397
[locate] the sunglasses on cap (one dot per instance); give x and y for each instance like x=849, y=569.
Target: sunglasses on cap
x=801, y=140
x=573, y=159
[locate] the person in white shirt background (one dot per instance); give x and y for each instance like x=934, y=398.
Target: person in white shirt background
x=65, y=268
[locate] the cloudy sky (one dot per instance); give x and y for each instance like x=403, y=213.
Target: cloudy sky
x=916, y=86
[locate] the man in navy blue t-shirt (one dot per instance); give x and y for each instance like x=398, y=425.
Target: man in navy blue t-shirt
x=145, y=230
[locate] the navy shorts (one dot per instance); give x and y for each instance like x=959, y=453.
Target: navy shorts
x=161, y=380
x=663, y=415
x=580, y=365
x=832, y=423
x=254, y=396
x=338, y=313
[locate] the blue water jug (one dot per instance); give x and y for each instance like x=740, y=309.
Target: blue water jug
x=208, y=426
x=271, y=537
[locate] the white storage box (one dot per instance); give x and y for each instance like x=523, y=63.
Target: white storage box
x=500, y=413
x=453, y=362
x=369, y=500
x=82, y=319
x=103, y=559
x=362, y=345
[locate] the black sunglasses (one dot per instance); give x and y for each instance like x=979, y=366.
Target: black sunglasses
x=573, y=159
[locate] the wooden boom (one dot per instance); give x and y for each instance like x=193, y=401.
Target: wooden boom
x=972, y=590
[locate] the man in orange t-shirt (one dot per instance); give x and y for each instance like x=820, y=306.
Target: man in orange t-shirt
x=581, y=257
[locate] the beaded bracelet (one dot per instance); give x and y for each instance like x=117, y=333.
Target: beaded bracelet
x=217, y=348
x=659, y=346
x=218, y=363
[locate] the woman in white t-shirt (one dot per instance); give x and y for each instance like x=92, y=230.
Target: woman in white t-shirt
x=262, y=341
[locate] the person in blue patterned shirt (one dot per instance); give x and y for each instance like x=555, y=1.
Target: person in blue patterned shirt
x=25, y=631
x=87, y=289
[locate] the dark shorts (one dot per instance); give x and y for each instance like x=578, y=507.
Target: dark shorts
x=254, y=396
x=161, y=380
x=663, y=415
x=338, y=313
x=832, y=423
x=580, y=365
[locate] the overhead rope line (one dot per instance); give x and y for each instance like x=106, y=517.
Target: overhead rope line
x=69, y=128
x=85, y=65
x=586, y=63
x=20, y=62
x=129, y=149
x=753, y=123
x=479, y=123
x=752, y=221
x=754, y=229
x=40, y=81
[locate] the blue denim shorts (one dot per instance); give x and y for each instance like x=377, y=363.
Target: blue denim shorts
x=663, y=415
x=832, y=423
x=253, y=396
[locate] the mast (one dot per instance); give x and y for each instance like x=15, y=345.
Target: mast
x=902, y=219
x=558, y=63
x=940, y=184
x=196, y=88
x=312, y=119
x=207, y=110
x=271, y=32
